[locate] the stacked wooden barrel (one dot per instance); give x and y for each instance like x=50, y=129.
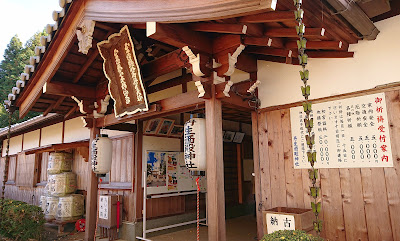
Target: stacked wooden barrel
x=60, y=201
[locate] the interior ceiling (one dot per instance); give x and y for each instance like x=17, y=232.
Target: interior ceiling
x=86, y=70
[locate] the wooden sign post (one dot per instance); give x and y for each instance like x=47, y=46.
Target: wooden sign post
x=123, y=73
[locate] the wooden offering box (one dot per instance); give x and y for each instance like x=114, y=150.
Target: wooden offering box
x=283, y=218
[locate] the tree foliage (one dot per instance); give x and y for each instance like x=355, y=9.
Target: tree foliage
x=16, y=56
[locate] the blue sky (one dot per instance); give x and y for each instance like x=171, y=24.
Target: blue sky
x=24, y=18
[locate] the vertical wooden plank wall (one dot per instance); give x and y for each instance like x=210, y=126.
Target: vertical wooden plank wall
x=357, y=203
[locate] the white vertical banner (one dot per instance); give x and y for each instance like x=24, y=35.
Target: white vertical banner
x=349, y=133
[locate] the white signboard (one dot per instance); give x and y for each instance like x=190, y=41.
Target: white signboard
x=349, y=133
x=277, y=222
x=103, y=207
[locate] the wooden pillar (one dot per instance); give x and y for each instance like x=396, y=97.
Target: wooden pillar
x=215, y=170
x=91, y=197
x=239, y=172
x=138, y=195
x=257, y=178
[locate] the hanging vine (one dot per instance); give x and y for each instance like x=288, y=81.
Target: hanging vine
x=308, y=121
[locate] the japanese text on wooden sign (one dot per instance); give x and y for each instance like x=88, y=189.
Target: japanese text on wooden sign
x=349, y=133
x=277, y=222
x=122, y=71
x=103, y=207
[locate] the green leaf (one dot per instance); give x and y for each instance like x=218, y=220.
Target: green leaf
x=295, y=2
x=314, y=192
x=308, y=90
x=298, y=14
x=313, y=174
x=317, y=225
x=303, y=90
x=300, y=29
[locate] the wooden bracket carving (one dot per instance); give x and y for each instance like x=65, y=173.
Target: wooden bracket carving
x=233, y=60
x=87, y=122
x=227, y=88
x=200, y=88
x=103, y=107
x=83, y=152
x=254, y=87
x=194, y=61
x=80, y=104
x=217, y=79
x=85, y=35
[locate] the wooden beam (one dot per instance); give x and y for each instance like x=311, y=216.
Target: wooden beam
x=228, y=28
x=91, y=197
x=268, y=17
x=67, y=90
x=94, y=53
x=246, y=63
x=330, y=54
x=239, y=172
x=123, y=127
x=163, y=65
x=110, y=119
x=57, y=50
x=257, y=172
x=225, y=42
x=291, y=32
x=236, y=101
x=87, y=64
x=179, y=36
x=138, y=176
x=71, y=112
x=334, y=45
x=54, y=105
x=180, y=80
x=271, y=51
x=177, y=104
x=57, y=147
x=264, y=41
x=215, y=170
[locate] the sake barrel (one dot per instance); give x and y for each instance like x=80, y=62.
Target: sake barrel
x=50, y=183
x=59, y=162
x=42, y=203
x=70, y=207
x=64, y=183
x=51, y=207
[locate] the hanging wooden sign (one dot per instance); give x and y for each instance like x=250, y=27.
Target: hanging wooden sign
x=123, y=73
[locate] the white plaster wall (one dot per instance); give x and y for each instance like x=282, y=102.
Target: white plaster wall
x=15, y=145
x=52, y=134
x=375, y=63
x=31, y=139
x=74, y=130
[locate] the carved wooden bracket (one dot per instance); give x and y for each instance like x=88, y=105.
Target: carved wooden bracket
x=85, y=35
x=254, y=87
x=200, y=88
x=233, y=60
x=103, y=107
x=83, y=152
x=80, y=104
x=87, y=122
x=194, y=61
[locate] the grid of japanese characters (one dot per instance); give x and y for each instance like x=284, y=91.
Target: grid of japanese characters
x=349, y=133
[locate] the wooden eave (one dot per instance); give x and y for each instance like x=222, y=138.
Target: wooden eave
x=267, y=36
x=58, y=147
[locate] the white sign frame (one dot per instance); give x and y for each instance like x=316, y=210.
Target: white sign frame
x=349, y=133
